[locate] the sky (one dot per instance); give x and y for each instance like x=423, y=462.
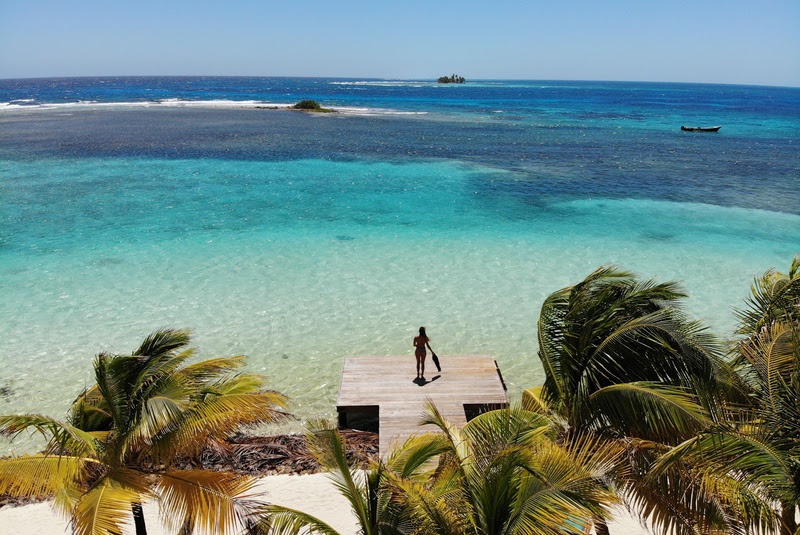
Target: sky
x=707, y=41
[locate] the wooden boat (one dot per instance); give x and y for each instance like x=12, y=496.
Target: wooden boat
x=700, y=128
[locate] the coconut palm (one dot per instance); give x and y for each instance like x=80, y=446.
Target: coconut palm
x=503, y=474
x=759, y=444
x=623, y=363
x=372, y=507
x=774, y=297
x=118, y=445
x=500, y=474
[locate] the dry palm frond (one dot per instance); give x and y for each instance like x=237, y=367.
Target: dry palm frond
x=39, y=475
x=209, y=502
x=106, y=506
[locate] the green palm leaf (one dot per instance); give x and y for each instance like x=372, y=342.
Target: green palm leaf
x=63, y=437
x=278, y=520
x=647, y=409
x=774, y=297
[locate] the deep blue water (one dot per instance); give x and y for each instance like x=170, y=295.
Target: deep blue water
x=561, y=138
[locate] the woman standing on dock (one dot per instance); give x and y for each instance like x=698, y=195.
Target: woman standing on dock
x=420, y=342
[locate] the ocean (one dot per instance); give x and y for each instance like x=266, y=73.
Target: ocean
x=129, y=204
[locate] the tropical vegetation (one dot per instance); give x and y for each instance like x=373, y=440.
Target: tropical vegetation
x=454, y=79
x=311, y=105
x=501, y=474
x=118, y=445
x=758, y=445
x=624, y=364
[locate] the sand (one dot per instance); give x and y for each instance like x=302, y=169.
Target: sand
x=314, y=494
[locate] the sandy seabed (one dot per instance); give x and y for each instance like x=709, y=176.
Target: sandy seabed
x=314, y=494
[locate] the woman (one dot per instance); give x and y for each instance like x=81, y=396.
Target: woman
x=420, y=342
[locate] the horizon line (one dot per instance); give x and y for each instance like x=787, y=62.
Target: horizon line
x=371, y=78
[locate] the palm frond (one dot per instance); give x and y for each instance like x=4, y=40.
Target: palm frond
x=533, y=401
x=648, y=409
x=233, y=384
x=329, y=448
x=766, y=465
x=219, y=416
x=431, y=512
x=457, y=445
x=416, y=452
x=208, y=501
x=211, y=368
x=572, y=480
x=40, y=475
x=686, y=493
x=772, y=355
x=774, y=297
x=551, y=339
x=278, y=520
x=499, y=428
x=62, y=437
x=661, y=345
x=163, y=341
x=106, y=506
x=112, y=389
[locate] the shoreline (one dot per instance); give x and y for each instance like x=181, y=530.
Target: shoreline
x=261, y=456
x=287, y=476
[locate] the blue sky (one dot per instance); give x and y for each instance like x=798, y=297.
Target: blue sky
x=713, y=41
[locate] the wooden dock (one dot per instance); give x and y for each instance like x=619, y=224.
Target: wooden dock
x=385, y=386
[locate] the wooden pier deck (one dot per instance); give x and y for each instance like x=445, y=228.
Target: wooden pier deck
x=386, y=385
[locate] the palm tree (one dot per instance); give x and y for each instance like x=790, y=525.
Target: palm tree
x=759, y=444
x=366, y=491
x=624, y=364
x=500, y=474
x=119, y=442
x=774, y=297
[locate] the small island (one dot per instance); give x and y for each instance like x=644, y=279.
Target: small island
x=310, y=105
x=454, y=79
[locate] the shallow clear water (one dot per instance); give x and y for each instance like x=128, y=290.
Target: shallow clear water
x=298, y=240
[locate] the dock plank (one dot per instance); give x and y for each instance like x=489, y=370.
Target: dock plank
x=388, y=383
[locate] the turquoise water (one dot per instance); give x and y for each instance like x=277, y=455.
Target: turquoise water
x=300, y=261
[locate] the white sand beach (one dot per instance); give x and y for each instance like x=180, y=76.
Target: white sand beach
x=314, y=494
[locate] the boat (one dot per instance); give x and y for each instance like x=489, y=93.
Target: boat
x=700, y=128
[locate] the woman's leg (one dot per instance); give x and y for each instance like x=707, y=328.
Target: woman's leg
x=418, y=364
x=422, y=364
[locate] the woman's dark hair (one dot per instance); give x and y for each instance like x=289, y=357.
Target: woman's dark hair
x=422, y=332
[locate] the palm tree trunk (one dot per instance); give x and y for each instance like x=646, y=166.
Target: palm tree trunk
x=138, y=519
x=788, y=523
x=600, y=526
